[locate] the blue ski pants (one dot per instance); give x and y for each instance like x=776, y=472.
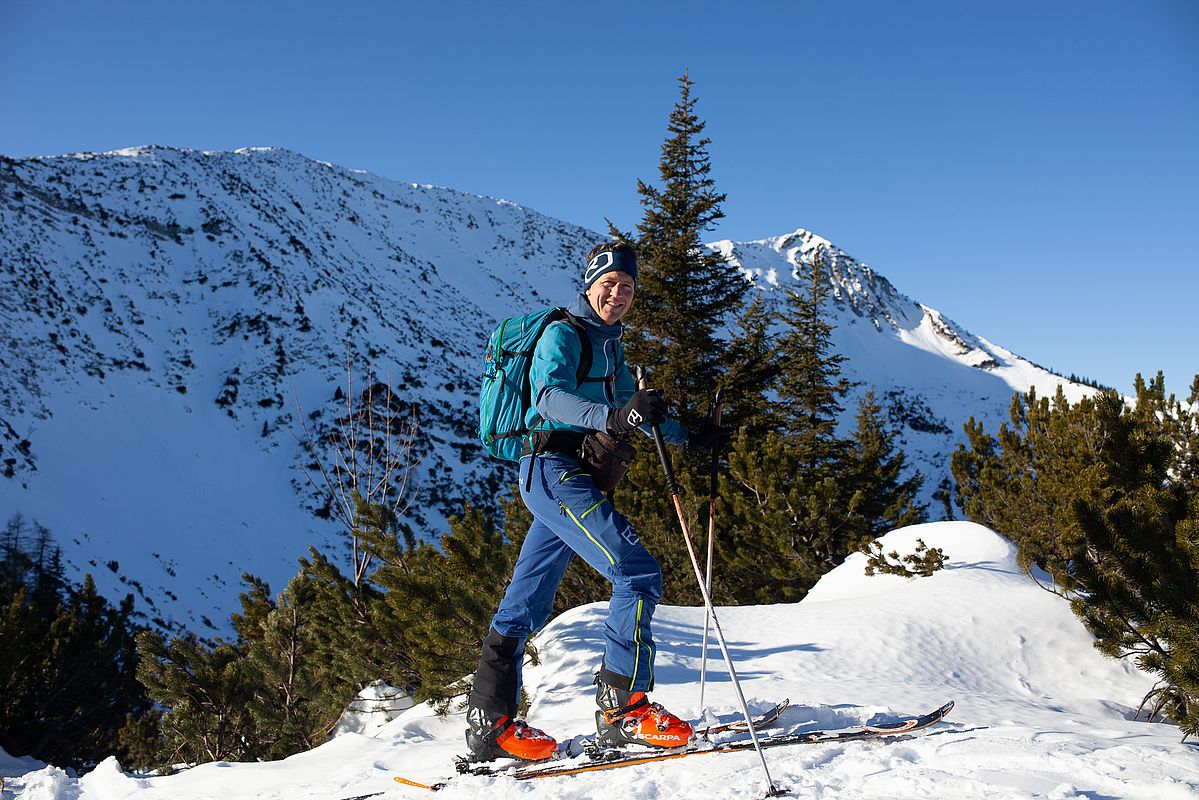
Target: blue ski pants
x=571, y=517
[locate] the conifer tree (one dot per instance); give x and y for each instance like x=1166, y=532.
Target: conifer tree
x=67, y=660
x=279, y=688
x=1100, y=495
x=922, y=562
x=753, y=372
x=792, y=478
x=445, y=597
x=1187, y=436
x=807, y=497
x=1180, y=421
x=811, y=386
x=875, y=469
x=1023, y=482
x=774, y=523
x=207, y=691
x=360, y=637
x=685, y=292
x=297, y=695
x=1138, y=574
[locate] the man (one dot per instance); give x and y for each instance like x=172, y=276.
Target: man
x=572, y=517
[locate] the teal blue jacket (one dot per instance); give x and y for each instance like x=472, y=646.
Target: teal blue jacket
x=557, y=403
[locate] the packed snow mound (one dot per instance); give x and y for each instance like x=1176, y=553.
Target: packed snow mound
x=964, y=544
x=980, y=625
x=374, y=707
x=979, y=628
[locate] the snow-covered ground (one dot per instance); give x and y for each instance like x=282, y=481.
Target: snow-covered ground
x=1040, y=713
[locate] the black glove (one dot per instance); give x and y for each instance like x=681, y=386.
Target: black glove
x=645, y=406
x=708, y=438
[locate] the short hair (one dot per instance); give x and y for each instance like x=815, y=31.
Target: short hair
x=618, y=246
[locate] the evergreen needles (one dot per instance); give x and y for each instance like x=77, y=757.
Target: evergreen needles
x=1104, y=495
x=68, y=690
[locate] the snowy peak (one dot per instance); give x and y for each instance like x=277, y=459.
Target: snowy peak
x=777, y=263
x=929, y=373
x=859, y=292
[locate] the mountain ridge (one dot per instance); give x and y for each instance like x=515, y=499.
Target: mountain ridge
x=171, y=318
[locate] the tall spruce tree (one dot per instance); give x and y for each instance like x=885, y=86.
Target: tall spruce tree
x=811, y=386
x=686, y=297
x=685, y=293
x=753, y=372
x=877, y=471
x=795, y=511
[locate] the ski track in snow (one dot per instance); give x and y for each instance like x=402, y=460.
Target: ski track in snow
x=1040, y=713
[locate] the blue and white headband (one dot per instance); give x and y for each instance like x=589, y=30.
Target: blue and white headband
x=609, y=261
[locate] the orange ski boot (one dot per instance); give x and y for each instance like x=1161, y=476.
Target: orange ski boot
x=489, y=738
x=630, y=718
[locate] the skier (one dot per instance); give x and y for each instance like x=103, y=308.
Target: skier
x=571, y=516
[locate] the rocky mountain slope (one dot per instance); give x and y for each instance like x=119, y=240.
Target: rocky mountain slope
x=173, y=323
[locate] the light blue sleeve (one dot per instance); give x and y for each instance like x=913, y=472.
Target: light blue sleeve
x=552, y=377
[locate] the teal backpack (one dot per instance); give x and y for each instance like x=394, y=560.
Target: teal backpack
x=506, y=396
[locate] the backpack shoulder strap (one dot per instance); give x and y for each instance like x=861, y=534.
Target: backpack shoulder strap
x=584, y=343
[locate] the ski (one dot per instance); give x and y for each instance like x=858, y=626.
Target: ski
x=465, y=766
x=760, y=721
x=616, y=759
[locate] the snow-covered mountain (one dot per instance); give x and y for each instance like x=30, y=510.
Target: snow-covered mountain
x=1039, y=712
x=171, y=320
x=928, y=372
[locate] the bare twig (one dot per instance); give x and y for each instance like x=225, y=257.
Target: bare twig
x=371, y=459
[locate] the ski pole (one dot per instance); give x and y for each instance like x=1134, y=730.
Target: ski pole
x=713, y=486
x=673, y=487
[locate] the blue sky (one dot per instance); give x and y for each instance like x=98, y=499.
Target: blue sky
x=1028, y=168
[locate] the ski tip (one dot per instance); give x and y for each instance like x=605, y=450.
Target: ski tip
x=431, y=787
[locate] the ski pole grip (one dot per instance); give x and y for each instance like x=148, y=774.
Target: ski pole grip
x=671, y=484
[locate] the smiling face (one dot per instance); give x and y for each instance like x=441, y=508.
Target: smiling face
x=611, y=296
